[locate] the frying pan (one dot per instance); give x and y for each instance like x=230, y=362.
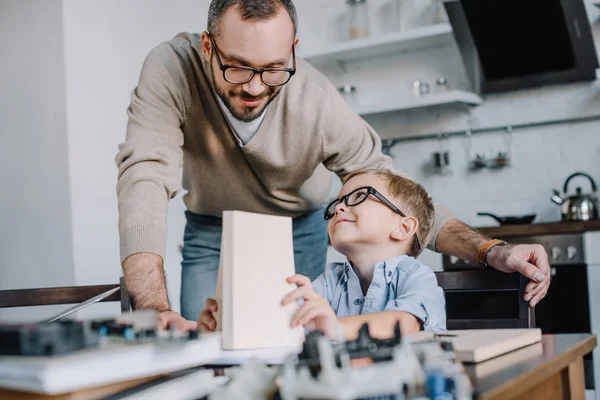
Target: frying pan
x=510, y=220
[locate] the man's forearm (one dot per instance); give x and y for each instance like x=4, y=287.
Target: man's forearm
x=145, y=280
x=458, y=239
x=381, y=324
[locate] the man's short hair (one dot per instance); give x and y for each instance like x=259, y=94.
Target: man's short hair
x=250, y=9
x=411, y=198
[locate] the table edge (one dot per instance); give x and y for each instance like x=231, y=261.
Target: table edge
x=528, y=380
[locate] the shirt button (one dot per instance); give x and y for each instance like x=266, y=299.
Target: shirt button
x=390, y=273
x=358, y=302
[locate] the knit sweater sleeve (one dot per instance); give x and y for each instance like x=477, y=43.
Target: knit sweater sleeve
x=150, y=159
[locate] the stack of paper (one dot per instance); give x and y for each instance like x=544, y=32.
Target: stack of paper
x=114, y=361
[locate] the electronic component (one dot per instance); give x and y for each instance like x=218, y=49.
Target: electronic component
x=37, y=339
x=391, y=367
x=64, y=336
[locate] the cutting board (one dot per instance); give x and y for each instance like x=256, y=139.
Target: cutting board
x=478, y=345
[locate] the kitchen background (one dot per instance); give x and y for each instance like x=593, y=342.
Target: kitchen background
x=68, y=68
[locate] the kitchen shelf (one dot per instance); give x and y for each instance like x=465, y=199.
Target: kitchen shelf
x=382, y=44
x=428, y=100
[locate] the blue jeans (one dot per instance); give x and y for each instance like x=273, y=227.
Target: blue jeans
x=201, y=248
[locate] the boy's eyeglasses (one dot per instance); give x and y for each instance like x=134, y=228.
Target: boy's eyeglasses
x=358, y=196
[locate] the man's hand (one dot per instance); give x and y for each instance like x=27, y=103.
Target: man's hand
x=315, y=313
x=207, y=321
x=531, y=261
x=457, y=239
x=168, y=319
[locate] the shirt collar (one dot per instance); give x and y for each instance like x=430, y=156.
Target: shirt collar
x=387, y=268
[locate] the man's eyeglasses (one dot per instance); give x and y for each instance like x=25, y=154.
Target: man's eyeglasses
x=358, y=196
x=238, y=75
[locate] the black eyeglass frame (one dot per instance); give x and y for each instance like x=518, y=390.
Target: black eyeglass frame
x=225, y=67
x=374, y=192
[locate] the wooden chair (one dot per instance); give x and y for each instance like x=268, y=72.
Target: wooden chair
x=485, y=299
x=63, y=295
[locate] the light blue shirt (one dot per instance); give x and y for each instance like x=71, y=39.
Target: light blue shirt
x=399, y=284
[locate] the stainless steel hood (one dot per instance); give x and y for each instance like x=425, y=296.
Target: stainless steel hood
x=514, y=44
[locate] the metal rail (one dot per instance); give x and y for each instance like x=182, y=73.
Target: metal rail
x=387, y=144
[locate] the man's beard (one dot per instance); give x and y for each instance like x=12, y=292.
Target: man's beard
x=249, y=113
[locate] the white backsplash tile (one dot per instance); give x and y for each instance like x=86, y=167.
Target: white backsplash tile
x=541, y=158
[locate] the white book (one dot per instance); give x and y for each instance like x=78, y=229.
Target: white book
x=113, y=361
x=257, y=256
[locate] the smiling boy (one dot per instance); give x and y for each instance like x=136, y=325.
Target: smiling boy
x=381, y=282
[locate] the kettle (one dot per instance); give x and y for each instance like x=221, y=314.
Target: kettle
x=580, y=206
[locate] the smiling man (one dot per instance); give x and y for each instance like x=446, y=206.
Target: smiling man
x=255, y=129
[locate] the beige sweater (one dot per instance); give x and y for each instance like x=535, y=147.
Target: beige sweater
x=175, y=121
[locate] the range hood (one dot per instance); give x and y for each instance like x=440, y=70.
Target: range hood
x=514, y=44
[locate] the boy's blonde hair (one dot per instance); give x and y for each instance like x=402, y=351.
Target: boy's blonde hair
x=411, y=198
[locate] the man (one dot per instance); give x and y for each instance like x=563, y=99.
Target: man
x=255, y=129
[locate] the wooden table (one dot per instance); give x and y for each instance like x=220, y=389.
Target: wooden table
x=552, y=369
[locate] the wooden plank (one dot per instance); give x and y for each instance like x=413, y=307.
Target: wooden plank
x=257, y=256
x=474, y=346
x=57, y=295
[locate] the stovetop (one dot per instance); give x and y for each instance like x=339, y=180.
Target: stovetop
x=565, y=249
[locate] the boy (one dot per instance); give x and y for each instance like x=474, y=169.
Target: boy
x=381, y=282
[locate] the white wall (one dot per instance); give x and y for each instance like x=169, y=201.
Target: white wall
x=67, y=72
x=35, y=222
x=541, y=158
x=105, y=45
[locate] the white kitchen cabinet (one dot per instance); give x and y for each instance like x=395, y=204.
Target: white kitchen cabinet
x=380, y=45
x=430, y=100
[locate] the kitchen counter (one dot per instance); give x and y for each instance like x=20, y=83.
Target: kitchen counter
x=540, y=229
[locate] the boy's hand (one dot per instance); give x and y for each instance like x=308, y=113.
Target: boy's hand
x=170, y=319
x=315, y=313
x=206, y=321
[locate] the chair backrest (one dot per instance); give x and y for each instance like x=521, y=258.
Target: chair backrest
x=485, y=299
x=63, y=295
